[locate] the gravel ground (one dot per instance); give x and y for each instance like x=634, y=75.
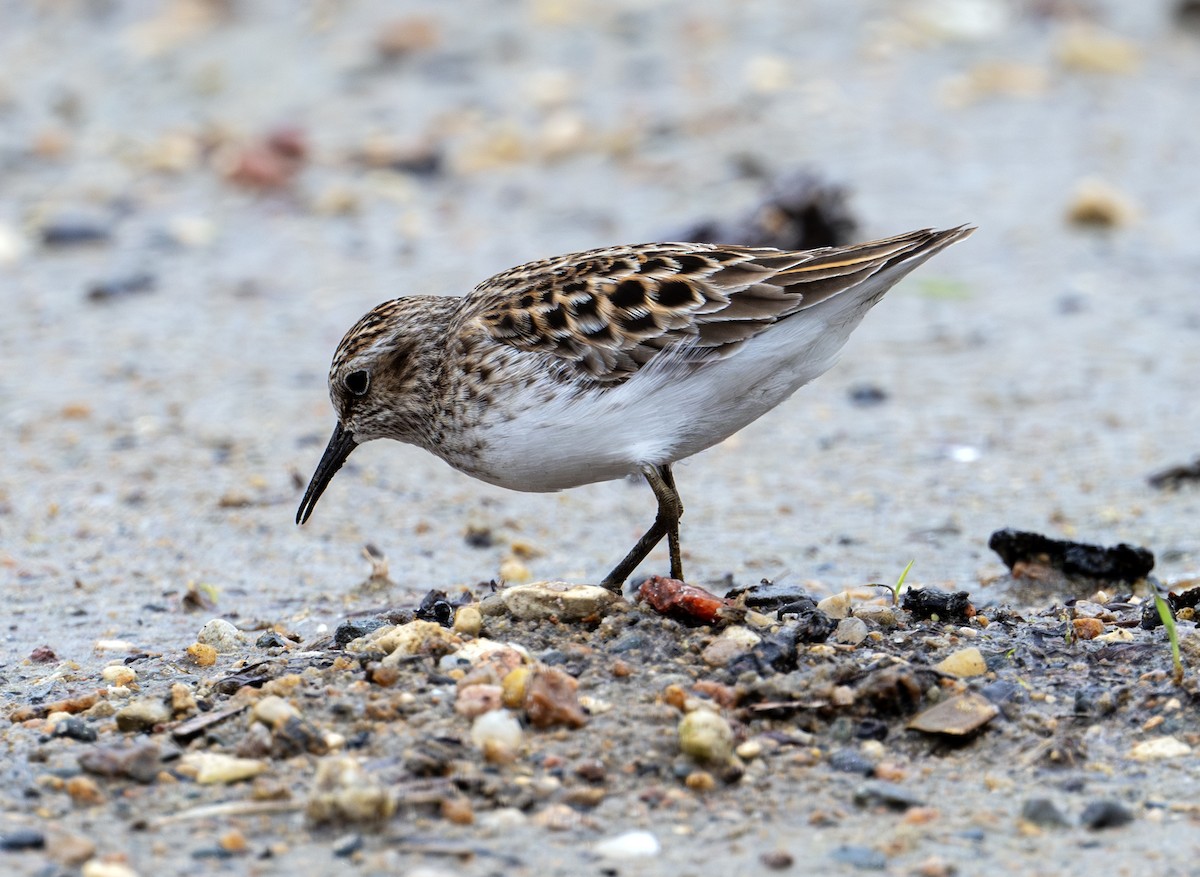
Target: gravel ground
x=199, y=197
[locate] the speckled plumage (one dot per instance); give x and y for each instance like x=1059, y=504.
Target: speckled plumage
x=595, y=365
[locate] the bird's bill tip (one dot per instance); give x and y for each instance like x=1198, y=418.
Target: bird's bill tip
x=341, y=443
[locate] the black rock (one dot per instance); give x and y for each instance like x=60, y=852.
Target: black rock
x=631, y=641
x=22, y=839
x=867, y=395
x=1043, y=812
x=891, y=795
x=75, y=728
x=946, y=605
x=1121, y=563
x=121, y=287
x=851, y=761
x=1003, y=691
x=435, y=607
x=271, y=640
x=74, y=233
x=776, y=653
x=768, y=596
x=871, y=729
x=1105, y=814
x=353, y=628
x=1175, y=477
x=347, y=845
x=801, y=212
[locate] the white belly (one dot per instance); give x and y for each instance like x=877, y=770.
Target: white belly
x=666, y=412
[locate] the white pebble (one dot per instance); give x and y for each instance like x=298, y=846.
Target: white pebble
x=630, y=845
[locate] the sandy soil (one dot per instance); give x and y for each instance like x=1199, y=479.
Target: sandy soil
x=162, y=389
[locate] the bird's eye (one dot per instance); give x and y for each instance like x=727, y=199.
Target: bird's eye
x=357, y=382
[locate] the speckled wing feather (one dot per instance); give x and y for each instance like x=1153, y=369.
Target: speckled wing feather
x=610, y=311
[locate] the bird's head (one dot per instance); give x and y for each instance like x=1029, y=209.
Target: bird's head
x=380, y=383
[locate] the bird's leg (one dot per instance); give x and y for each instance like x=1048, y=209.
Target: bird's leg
x=666, y=523
x=667, y=488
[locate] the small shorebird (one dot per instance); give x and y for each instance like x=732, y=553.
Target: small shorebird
x=596, y=365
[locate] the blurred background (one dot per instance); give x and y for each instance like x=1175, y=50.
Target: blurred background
x=198, y=197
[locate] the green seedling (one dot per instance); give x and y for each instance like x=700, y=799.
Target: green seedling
x=1168, y=620
x=900, y=582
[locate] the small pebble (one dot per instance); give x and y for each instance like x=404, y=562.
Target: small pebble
x=836, y=606
x=343, y=792
x=475, y=700
x=498, y=734
x=891, y=795
x=551, y=699
x=221, y=635
x=1044, y=813
x=142, y=715
x=347, y=845
x=630, y=845
x=706, y=736
x=850, y=631
x=1158, y=748
x=75, y=728
x=851, y=761
x=202, y=654
x=84, y=791
x=99, y=868
x=22, y=839
x=749, y=750
x=861, y=857
x=210, y=768
x=1105, y=814
x=965, y=662
x=468, y=621
x=118, y=674
x=561, y=600
x=71, y=850
x=777, y=860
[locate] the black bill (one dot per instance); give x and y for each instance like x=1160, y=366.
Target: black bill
x=341, y=443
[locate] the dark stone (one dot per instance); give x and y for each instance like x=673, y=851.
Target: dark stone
x=75, y=728
x=776, y=653
x=767, y=596
x=629, y=642
x=1105, y=814
x=353, y=628
x=479, y=537
x=22, y=839
x=777, y=860
x=1121, y=563
x=140, y=763
x=271, y=640
x=800, y=211
x=121, y=287
x=890, y=795
x=871, y=729
x=851, y=761
x=436, y=607
x=867, y=395
x=947, y=606
x=863, y=858
x=1003, y=691
x=74, y=233
x=1043, y=812
x=1175, y=477
x=347, y=845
